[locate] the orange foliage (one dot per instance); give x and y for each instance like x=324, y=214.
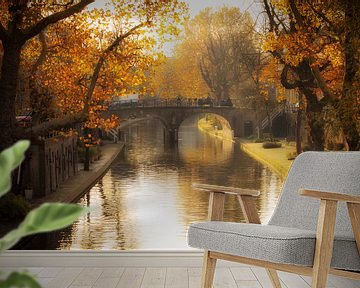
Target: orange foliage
x=76, y=46
x=311, y=40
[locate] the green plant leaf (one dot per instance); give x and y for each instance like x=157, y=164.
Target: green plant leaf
x=9, y=159
x=20, y=280
x=48, y=217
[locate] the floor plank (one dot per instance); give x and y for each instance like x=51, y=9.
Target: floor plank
x=263, y=278
x=45, y=282
x=50, y=272
x=194, y=277
x=87, y=277
x=308, y=280
x=106, y=282
x=293, y=280
x=224, y=278
x=112, y=272
x=154, y=278
x=65, y=278
x=248, y=284
x=241, y=274
x=132, y=278
x=35, y=270
x=177, y=278
x=340, y=282
x=167, y=277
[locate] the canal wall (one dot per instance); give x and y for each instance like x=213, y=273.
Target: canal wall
x=72, y=189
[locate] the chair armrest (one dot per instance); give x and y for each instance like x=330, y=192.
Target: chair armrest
x=225, y=189
x=327, y=219
x=323, y=195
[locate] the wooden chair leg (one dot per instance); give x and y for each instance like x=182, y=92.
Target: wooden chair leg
x=324, y=243
x=274, y=278
x=251, y=215
x=354, y=212
x=208, y=271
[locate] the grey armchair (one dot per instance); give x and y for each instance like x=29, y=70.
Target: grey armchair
x=314, y=231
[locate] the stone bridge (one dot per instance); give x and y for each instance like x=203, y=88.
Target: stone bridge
x=240, y=120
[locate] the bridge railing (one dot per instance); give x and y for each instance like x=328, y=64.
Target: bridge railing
x=175, y=103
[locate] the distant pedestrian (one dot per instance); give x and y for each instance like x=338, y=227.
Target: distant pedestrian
x=178, y=101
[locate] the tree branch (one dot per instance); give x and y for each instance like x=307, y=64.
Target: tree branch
x=270, y=16
x=295, y=11
x=101, y=62
x=281, y=22
x=42, y=24
x=324, y=18
x=322, y=83
x=284, y=79
x=42, y=56
x=57, y=123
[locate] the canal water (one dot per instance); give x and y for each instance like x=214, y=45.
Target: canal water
x=145, y=200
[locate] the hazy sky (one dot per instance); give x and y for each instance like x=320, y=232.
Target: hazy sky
x=195, y=6
x=254, y=7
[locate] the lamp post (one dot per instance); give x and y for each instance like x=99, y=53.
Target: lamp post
x=297, y=109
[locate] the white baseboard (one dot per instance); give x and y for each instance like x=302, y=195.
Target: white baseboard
x=139, y=258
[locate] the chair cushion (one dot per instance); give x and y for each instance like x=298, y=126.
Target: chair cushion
x=270, y=243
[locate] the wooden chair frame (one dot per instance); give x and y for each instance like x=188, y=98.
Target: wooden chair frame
x=324, y=235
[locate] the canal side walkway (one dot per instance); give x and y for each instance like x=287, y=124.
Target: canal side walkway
x=72, y=189
x=276, y=158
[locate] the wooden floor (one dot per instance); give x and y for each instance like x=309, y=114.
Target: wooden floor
x=143, y=269
x=169, y=277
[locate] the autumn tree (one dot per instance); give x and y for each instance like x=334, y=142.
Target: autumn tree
x=109, y=50
x=166, y=82
x=208, y=58
x=20, y=21
x=180, y=76
x=312, y=42
x=228, y=35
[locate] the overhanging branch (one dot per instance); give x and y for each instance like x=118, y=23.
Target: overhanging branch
x=54, y=18
x=101, y=62
x=56, y=124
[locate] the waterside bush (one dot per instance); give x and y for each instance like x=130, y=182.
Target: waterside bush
x=270, y=145
x=14, y=207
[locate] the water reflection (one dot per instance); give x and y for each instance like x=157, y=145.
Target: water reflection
x=145, y=201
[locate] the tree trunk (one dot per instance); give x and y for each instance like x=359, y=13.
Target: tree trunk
x=315, y=120
x=9, y=77
x=347, y=107
x=87, y=159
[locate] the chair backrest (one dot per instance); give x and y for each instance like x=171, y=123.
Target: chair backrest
x=326, y=171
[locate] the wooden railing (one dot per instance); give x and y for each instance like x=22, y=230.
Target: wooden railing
x=50, y=162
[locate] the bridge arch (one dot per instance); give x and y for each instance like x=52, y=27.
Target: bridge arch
x=172, y=117
x=225, y=124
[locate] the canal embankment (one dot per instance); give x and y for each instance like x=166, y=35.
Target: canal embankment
x=74, y=187
x=276, y=158
x=71, y=190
